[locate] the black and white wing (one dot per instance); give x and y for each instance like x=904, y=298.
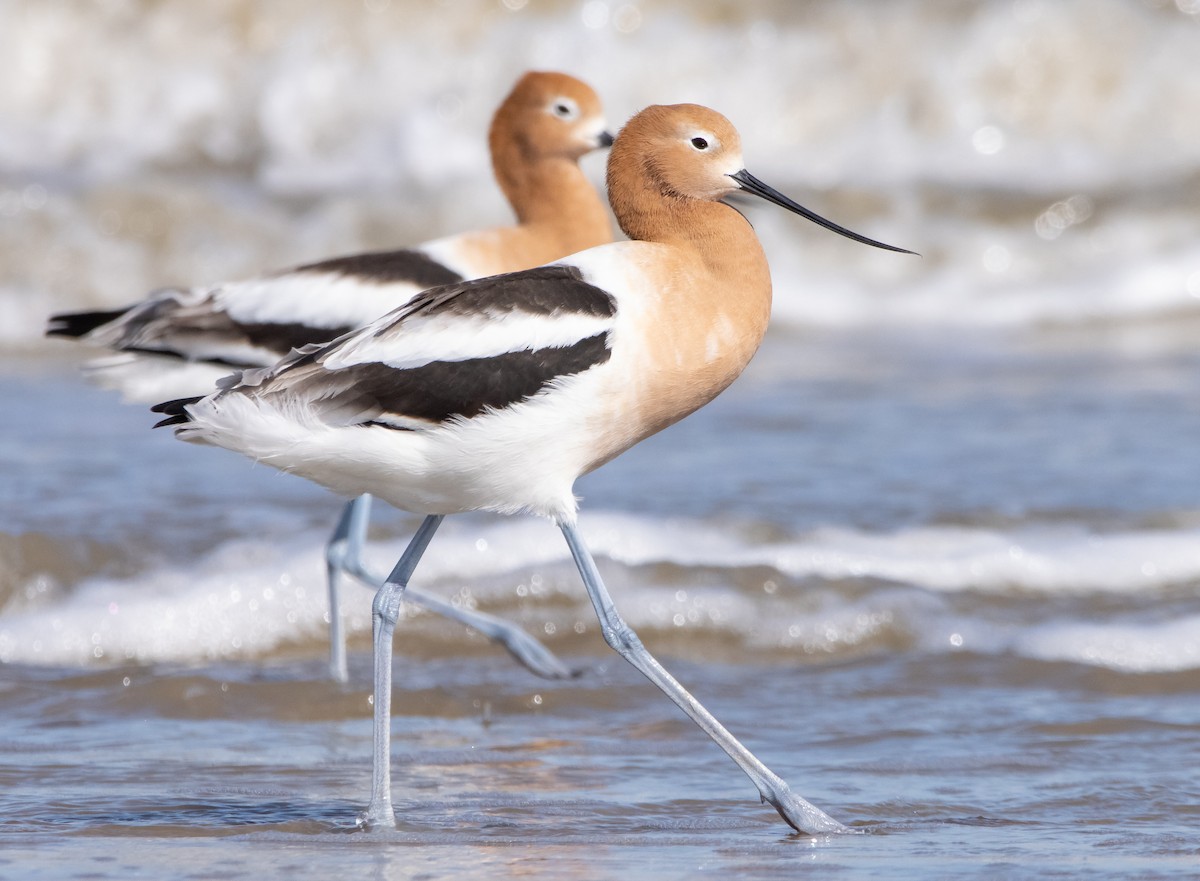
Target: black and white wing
x=453, y=353
x=255, y=322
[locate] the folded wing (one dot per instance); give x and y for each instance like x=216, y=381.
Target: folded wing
x=452, y=353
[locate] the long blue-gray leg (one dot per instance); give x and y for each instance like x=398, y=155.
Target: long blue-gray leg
x=384, y=613
x=798, y=813
x=344, y=555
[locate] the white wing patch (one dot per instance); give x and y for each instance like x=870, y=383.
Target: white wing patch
x=316, y=299
x=419, y=340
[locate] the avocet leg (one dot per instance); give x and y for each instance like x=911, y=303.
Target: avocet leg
x=384, y=613
x=350, y=538
x=798, y=813
x=342, y=554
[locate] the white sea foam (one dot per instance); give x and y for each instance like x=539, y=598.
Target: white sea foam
x=1041, y=156
x=248, y=599
x=242, y=600
x=320, y=97
x=1134, y=648
x=1042, y=559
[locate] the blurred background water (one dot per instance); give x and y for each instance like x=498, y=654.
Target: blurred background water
x=936, y=556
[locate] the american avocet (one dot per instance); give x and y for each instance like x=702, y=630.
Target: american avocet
x=497, y=394
x=537, y=136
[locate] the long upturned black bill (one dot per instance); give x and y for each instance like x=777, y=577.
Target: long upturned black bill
x=751, y=184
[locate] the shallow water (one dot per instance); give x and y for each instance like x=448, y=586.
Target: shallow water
x=935, y=558
x=978, y=686
x=997, y=767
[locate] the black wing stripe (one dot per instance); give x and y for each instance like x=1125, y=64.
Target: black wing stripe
x=175, y=410
x=191, y=336
x=388, y=266
x=275, y=339
x=77, y=324
x=377, y=394
x=546, y=290
x=282, y=338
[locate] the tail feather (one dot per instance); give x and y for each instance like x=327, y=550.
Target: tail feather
x=175, y=411
x=77, y=324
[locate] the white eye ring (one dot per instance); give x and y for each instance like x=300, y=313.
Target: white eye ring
x=564, y=108
x=702, y=142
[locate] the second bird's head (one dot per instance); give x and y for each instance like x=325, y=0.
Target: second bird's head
x=549, y=115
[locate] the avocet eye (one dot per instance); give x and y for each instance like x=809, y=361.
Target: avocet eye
x=699, y=143
x=564, y=108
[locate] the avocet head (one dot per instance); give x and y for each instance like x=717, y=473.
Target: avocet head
x=683, y=151
x=550, y=114
x=686, y=151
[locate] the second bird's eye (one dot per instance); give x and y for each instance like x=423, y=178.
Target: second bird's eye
x=564, y=109
x=700, y=143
